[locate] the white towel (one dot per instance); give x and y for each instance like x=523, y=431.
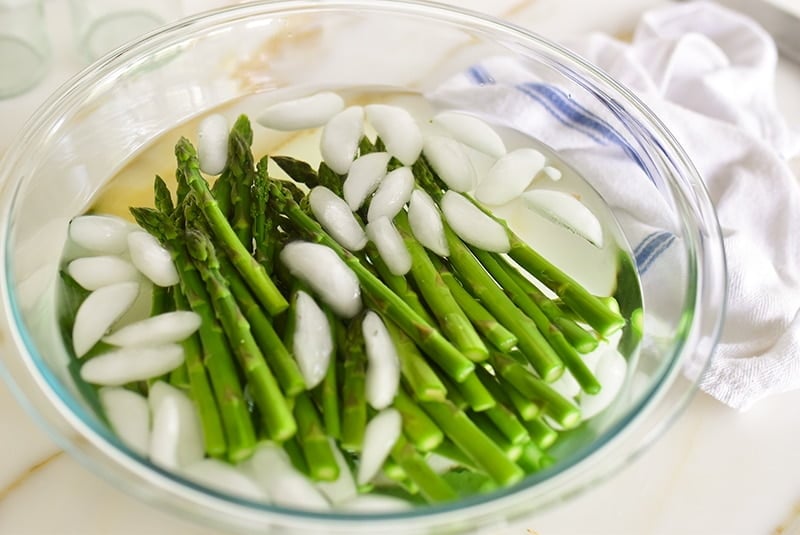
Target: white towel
x=708, y=73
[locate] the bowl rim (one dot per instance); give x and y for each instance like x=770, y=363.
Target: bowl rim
x=709, y=243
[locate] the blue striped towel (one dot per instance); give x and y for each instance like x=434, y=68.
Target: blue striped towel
x=707, y=72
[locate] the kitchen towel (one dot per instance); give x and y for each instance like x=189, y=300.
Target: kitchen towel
x=708, y=73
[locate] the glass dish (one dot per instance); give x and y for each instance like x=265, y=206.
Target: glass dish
x=85, y=133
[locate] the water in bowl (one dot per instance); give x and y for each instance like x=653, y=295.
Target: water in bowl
x=607, y=271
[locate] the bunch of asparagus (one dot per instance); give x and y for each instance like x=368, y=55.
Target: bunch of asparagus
x=477, y=341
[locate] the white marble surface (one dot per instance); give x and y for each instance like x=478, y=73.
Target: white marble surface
x=714, y=472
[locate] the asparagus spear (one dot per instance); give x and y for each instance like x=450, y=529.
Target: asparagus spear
x=475, y=393
x=240, y=137
x=555, y=337
x=501, y=415
x=533, y=459
x=329, y=179
x=580, y=338
x=541, y=434
x=397, y=283
x=200, y=390
x=512, y=450
x=431, y=341
x=489, y=327
x=161, y=302
x=417, y=425
x=530, y=340
x=365, y=146
x=350, y=344
x=508, y=397
x=590, y=308
x=313, y=440
x=328, y=390
x=217, y=356
x=487, y=455
x=420, y=377
x=298, y=170
x=253, y=273
x=241, y=169
x=450, y=451
x=296, y=455
x=604, y=320
x=278, y=357
x=431, y=485
x=162, y=196
x=454, y=394
x=265, y=390
x=451, y=318
x=265, y=225
x=553, y=403
x=273, y=349
x=392, y=470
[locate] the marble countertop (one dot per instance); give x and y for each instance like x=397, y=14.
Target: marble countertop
x=715, y=471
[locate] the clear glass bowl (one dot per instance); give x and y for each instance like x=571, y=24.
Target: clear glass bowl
x=106, y=114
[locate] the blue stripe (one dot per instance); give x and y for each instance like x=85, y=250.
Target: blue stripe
x=644, y=242
x=658, y=252
x=481, y=75
x=557, y=113
x=644, y=253
x=580, y=119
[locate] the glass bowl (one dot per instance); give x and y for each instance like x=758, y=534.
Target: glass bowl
x=84, y=134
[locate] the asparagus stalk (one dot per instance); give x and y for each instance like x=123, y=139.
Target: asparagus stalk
x=161, y=302
x=365, y=146
x=555, y=337
x=270, y=344
x=200, y=390
x=451, y=318
x=392, y=470
x=240, y=137
x=398, y=284
x=328, y=178
x=530, y=340
x=253, y=273
x=590, y=308
x=240, y=169
x=431, y=341
x=454, y=394
x=511, y=450
x=552, y=403
x=448, y=450
x=501, y=415
x=475, y=393
x=509, y=397
x=487, y=455
x=583, y=340
x=420, y=377
x=350, y=344
x=162, y=196
x=328, y=390
x=423, y=432
x=265, y=390
x=533, y=459
x=508, y=424
x=217, y=356
x=541, y=434
x=297, y=170
x=296, y=455
x=431, y=485
x=313, y=440
x=482, y=319
x=604, y=320
x=265, y=225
